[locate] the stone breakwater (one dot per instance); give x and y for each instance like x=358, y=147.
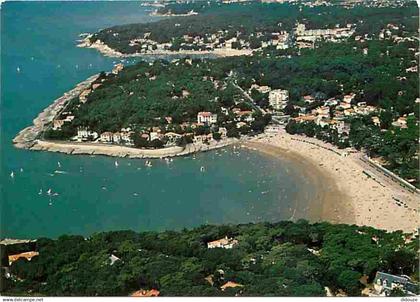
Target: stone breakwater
x=78, y=148
x=110, y=52
x=28, y=138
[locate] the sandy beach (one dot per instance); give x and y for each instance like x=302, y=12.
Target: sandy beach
x=346, y=193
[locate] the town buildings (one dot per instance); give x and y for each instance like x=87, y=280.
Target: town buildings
x=27, y=255
x=278, y=98
x=206, y=118
x=384, y=283
x=306, y=38
x=224, y=243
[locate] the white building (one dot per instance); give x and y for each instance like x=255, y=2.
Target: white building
x=206, y=118
x=278, y=98
x=348, y=98
x=224, y=243
x=83, y=133
x=172, y=138
x=116, y=137
x=106, y=137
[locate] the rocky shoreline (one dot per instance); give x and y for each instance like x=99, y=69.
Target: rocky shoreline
x=109, y=52
x=28, y=138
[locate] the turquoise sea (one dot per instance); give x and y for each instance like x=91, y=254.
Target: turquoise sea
x=39, y=39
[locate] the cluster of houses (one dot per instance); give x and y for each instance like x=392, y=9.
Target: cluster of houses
x=306, y=38
x=67, y=116
x=332, y=112
x=277, y=98
x=393, y=32
x=222, y=39
x=335, y=112
x=205, y=118
x=384, y=283
x=224, y=243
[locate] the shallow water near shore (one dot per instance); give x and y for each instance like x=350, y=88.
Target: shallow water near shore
x=40, y=61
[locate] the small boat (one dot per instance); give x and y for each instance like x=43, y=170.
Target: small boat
x=60, y=172
x=21, y=170
x=148, y=163
x=55, y=194
x=202, y=169
x=12, y=175
x=59, y=164
x=18, y=69
x=116, y=164
x=40, y=192
x=50, y=204
x=49, y=191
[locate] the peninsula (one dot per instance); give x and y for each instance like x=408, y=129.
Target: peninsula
x=147, y=110
x=343, y=78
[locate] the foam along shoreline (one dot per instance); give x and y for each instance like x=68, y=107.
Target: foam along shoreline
x=78, y=148
x=28, y=137
x=373, y=200
x=109, y=52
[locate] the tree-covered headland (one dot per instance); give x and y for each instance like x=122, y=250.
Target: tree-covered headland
x=280, y=259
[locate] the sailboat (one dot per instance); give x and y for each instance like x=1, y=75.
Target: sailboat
x=116, y=164
x=49, y=191
x=12, y=175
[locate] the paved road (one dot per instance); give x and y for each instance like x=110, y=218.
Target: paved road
x=251, y=100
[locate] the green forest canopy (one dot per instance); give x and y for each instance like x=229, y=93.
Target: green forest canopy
x=255, y=17
x=269, y=260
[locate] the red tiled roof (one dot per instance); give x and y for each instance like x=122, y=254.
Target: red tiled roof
x=146, y=293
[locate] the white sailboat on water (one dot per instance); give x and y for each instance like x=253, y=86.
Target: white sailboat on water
x=116, y=164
